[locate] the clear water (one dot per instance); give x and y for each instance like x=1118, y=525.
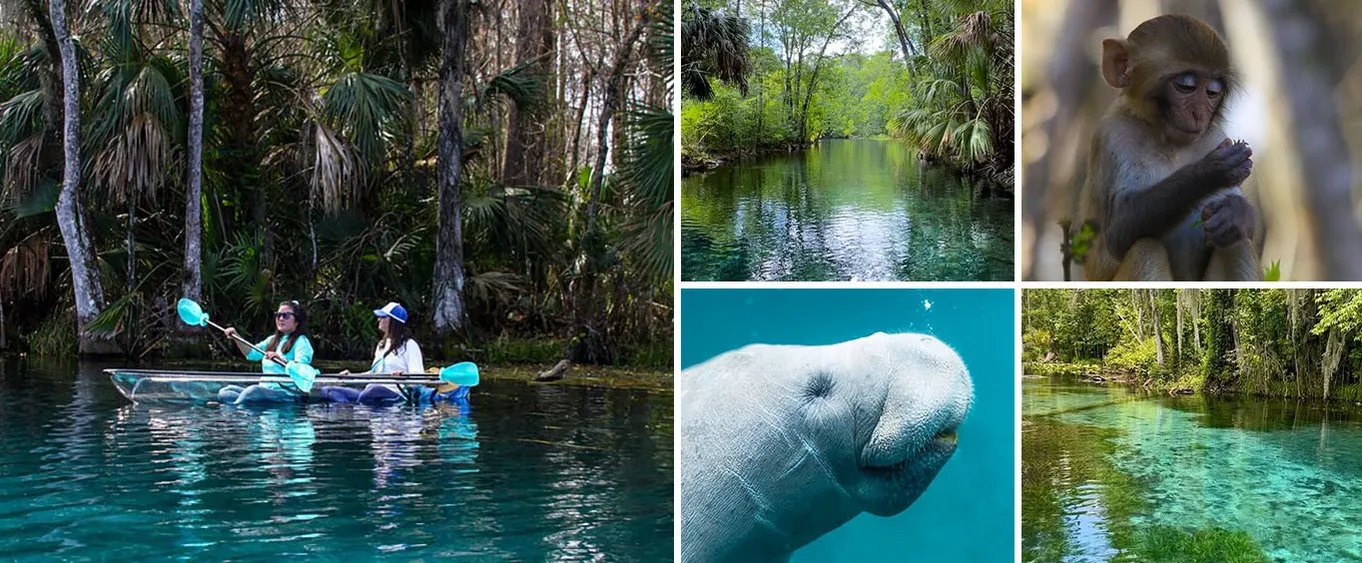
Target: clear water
x=968, y=511
x=528, y=473
x=842, y=210
x=1098, y=473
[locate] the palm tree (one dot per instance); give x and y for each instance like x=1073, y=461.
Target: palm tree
x=712, y=44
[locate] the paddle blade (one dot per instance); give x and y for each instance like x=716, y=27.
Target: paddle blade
x=463, y=373
x=302, y=375
x=191, y=313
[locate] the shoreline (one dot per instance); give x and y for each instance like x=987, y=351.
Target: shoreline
x=1187, y=384
x=604, y=377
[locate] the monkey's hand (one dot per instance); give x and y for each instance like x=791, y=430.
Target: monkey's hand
x=1227, y=219
x=1228, y=165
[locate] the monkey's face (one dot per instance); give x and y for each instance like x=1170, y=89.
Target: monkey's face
x=1190, y=101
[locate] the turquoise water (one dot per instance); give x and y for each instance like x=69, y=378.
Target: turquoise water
x=967, y=514
x=1286, y=472
x=843, y=209
x=528, y=473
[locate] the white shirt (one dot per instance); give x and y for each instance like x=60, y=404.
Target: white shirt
x=406, y=359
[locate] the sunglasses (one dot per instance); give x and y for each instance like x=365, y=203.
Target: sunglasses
x=283, y=315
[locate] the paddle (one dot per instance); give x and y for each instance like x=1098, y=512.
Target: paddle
x=302, y=374
x=462, y=373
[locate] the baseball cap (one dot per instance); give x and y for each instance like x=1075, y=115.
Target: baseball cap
x=392, y=310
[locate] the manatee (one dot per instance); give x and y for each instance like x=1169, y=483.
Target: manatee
x=782, y=444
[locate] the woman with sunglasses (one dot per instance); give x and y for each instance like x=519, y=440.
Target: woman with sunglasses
x=396, y=353
x=289, y=343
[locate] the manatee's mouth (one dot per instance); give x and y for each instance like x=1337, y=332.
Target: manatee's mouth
x=927, y=456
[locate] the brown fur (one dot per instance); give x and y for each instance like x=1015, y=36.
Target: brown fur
x=1156, y=159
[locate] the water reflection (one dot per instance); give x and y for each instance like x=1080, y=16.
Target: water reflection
x=842, y=210
x=526, y=473
x=1111, y=480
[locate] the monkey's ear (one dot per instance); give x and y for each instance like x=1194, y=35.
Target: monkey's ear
x=1116, y=62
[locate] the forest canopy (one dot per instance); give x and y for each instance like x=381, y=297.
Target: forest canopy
x=767, y=74
x=1302, y=343
x=503, y=169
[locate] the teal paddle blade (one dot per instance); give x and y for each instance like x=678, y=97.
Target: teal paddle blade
x=463, y=373
x=302, y=375
x=191, y=313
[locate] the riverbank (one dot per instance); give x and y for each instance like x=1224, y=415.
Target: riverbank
x=693, y=162
x=1186, y=383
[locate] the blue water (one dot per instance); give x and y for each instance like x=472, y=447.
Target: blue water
x=525, y=473
x=968, y=512
x=1286, y=472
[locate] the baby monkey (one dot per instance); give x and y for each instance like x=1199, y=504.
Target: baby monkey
x=1162, y=193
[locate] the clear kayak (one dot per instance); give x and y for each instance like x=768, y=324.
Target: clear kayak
x=175, y=386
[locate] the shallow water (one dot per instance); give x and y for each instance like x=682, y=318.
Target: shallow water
x=1098, y=475
x=841, y=210
x=968, y=512
x=526, y=473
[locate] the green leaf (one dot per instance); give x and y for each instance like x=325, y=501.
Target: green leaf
x=1274, y=271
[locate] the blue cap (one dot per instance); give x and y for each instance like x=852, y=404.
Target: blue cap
x=392, y=310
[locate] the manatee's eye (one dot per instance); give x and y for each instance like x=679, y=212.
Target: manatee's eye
x=819, y=386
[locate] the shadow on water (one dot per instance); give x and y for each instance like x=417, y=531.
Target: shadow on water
x=1148, y=477
x=841, y=210
x=523, y=473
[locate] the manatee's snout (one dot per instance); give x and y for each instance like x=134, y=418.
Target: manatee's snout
x=926, y=397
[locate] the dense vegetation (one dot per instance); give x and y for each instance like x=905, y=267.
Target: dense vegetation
x=502, y=168
x=1302, y=343
x=763, y=74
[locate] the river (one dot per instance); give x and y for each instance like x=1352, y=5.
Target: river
x=1112, y=474
x=842, y=210
x=521, y=473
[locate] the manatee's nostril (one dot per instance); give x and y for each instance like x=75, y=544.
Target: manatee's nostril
x=819, y=386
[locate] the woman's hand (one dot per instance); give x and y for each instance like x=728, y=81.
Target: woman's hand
x=230, y=332
x=273, y=356
x=345, y=372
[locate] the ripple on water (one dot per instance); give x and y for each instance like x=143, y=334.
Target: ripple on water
x=1295, y=488
x=525, y=474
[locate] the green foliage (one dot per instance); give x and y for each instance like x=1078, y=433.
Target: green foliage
x=319, y=170
x=1273, y=272
x=1140, y=357
x=1160, y=544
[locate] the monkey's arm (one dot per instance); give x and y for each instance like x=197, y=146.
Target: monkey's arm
x=1136, y=212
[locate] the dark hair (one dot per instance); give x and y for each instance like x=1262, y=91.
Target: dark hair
x=300, y=314
x=398, y=335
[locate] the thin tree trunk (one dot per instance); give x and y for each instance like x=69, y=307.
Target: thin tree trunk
x=1177, y=306
x=193, y=208
x=1158, y=330
x=89, y=293
x=613, y=91
x=813, y=78
x=906, y=44
x=534, y=41
x=449, y=311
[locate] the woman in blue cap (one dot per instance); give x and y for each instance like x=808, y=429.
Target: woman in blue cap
x=396, y=353
x=289, y=343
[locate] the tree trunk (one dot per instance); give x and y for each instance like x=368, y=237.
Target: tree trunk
x=449, y=311
x=534, y=41
x=1158, y=330
x=613, y=91
x=1177, y=307
x=813, y=78
x=904, y=43
x=84, y=276
x=193, y=207
x=50, y=81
